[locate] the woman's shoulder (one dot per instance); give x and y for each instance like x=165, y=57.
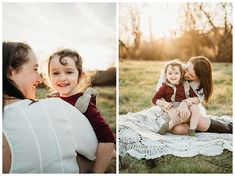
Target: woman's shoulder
x=55, y=102
x=51, y=100
x=20, y=103
x=28, y=104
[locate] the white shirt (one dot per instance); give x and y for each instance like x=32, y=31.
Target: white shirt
x=43, y=136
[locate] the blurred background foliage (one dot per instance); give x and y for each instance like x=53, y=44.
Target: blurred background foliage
x=202, y=29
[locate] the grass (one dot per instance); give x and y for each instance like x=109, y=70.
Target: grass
x=172, y=164
x=137, y=83
x=106, y=104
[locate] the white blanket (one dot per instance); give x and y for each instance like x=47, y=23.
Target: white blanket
x=138, y=137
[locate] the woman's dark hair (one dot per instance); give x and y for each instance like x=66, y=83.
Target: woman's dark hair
x=14, y=56
x=203, y=70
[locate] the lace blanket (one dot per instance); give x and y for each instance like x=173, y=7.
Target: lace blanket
x=138, y=137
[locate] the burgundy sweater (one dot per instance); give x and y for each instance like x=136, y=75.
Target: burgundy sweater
x=102, y=130
x=166, y=92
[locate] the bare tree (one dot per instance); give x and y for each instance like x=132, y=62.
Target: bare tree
x=203, y=31
x=135, y=23
x=130, y=22
x=222, y=35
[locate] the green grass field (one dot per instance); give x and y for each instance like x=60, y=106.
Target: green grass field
x=106, y=104
x=137, y=83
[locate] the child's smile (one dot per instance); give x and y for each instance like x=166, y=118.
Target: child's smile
x=64, y=78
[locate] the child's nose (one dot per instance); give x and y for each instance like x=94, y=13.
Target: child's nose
x=63, y=77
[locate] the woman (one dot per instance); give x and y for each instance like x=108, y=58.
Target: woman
x=39, y=136
x=138, y=135
x=198, y=71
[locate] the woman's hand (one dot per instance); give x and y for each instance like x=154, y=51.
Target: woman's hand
x=85, y=165
x=104, y=154
x=6, y=155
x=183, y=110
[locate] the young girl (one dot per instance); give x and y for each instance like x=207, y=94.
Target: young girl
x=174, y=91
x=65, y=73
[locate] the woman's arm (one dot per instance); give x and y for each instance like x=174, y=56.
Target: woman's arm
x=106, y=139
x=6, y=155
x=85, y=165
x=104, y=155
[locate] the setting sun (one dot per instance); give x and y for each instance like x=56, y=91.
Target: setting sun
x=161, y=17
x=155, y=20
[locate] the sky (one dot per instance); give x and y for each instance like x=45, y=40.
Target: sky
x=89, y=28
x=162, y=16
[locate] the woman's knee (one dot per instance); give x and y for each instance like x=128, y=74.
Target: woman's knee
x=203, y=123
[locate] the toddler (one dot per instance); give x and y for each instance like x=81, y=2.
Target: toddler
x=65, y=73
x=169, y=96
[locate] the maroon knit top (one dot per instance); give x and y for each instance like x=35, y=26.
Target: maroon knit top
x=166, y=92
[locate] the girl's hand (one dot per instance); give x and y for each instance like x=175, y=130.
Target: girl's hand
x=167, y=106
x=183, y=110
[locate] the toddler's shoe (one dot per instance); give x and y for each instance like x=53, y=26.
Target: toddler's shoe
x=164, y=128
x=191, y=132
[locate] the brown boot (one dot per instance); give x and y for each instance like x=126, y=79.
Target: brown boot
x=218, y=126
